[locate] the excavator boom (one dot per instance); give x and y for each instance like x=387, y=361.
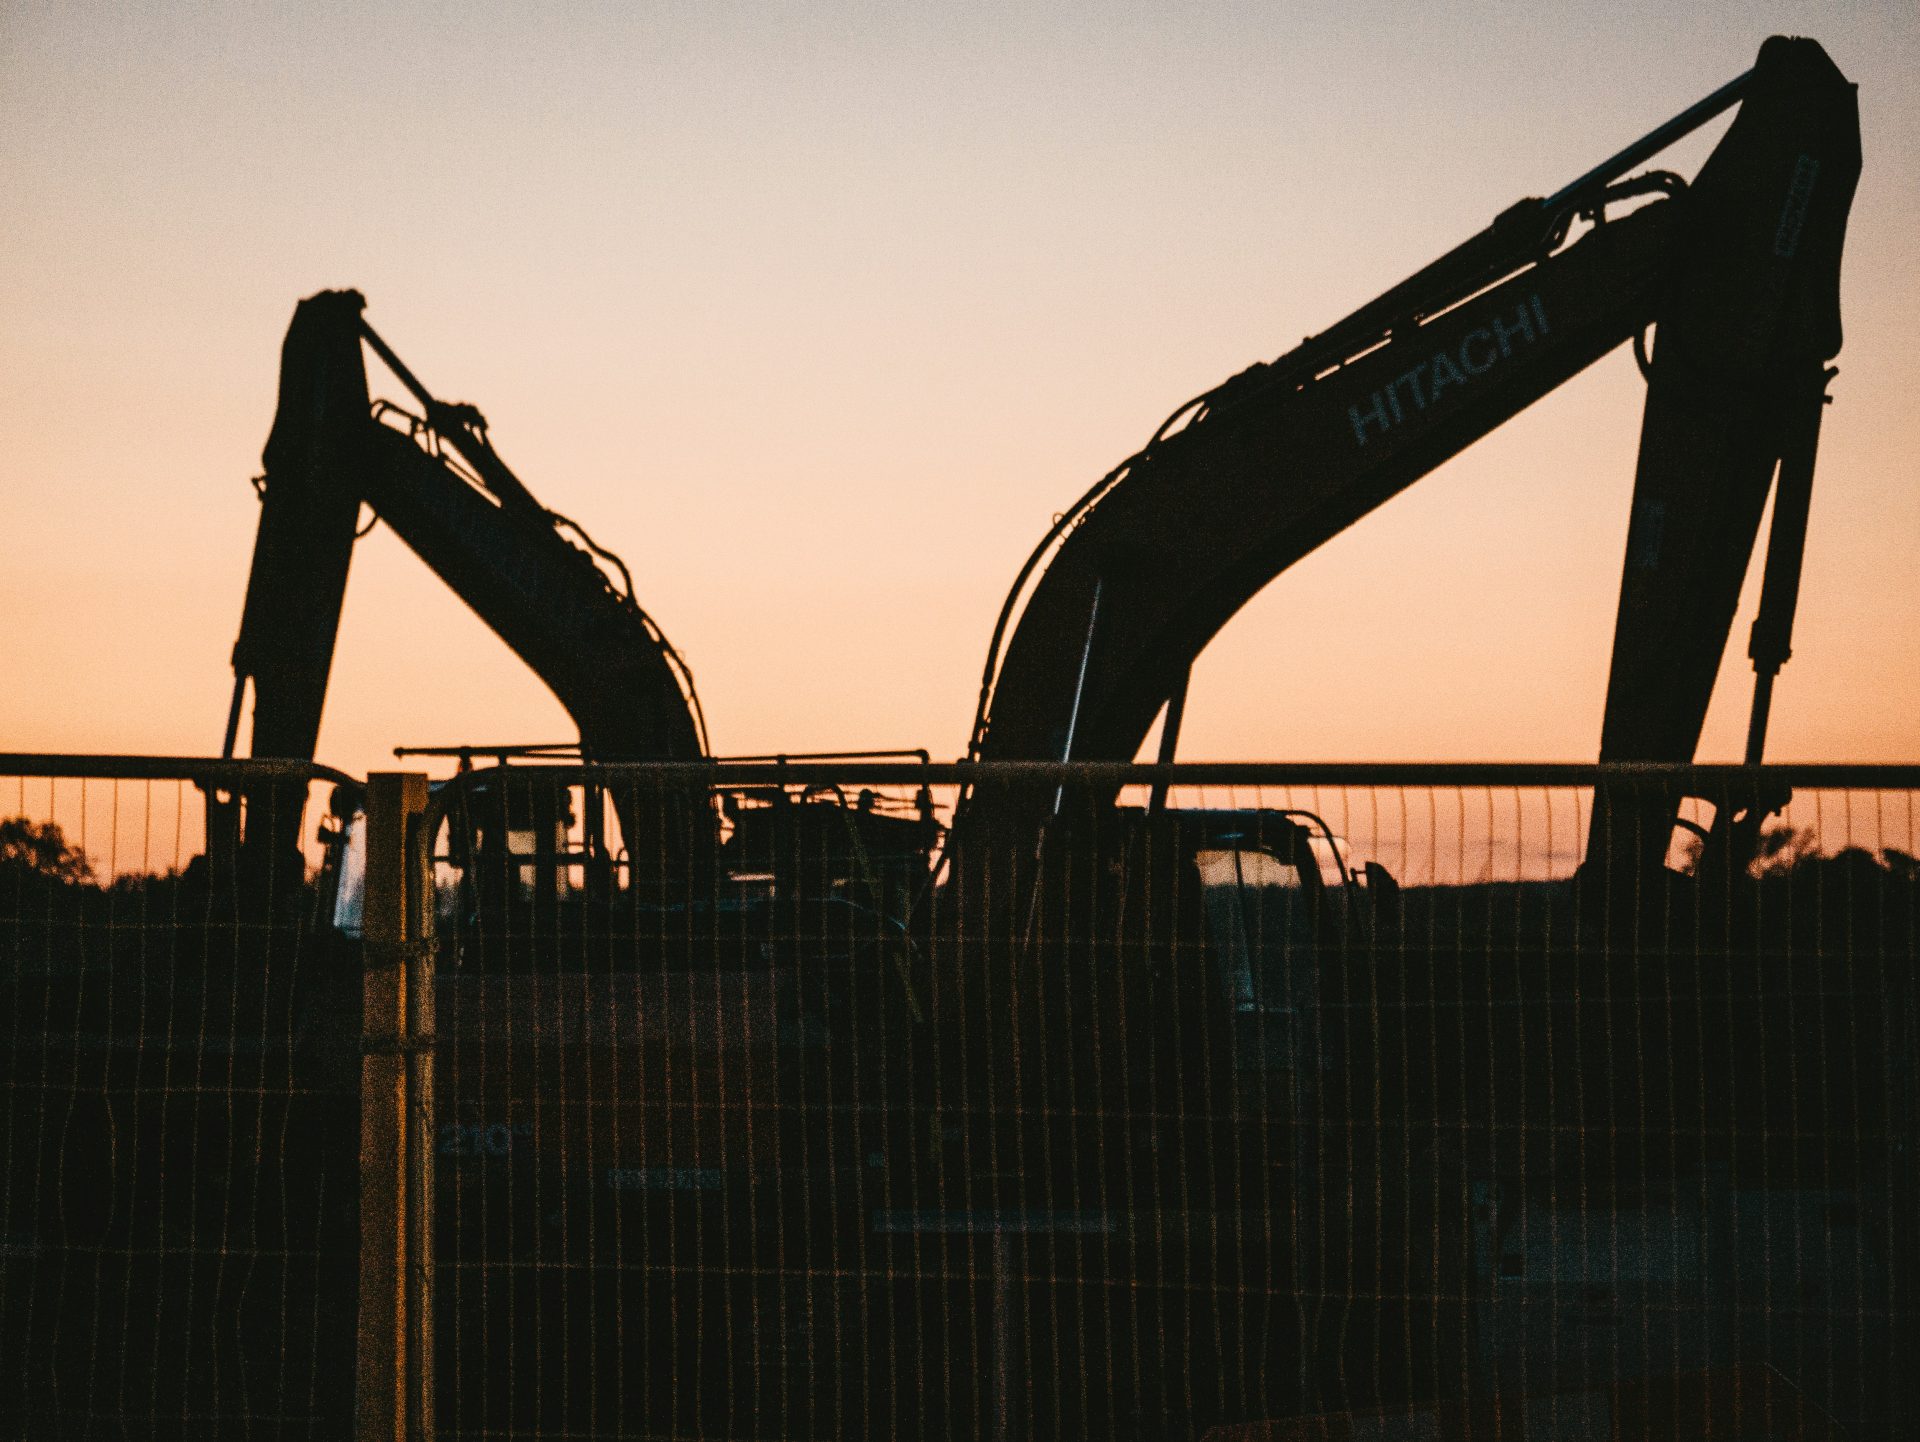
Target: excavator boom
x=476, y=526
x=1739, y=271
x=1273, y=471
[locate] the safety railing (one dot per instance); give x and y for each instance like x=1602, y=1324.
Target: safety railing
x=1260, y=1101
x=178, y=1157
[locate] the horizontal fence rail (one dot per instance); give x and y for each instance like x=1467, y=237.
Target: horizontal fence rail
x=178, y=1150
x=204, y=770
x=1237, y=1101
x=1423, y=774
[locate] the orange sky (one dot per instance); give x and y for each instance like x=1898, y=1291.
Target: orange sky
x=818, y=313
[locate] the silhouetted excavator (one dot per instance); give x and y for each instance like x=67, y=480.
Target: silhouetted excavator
x=563, y=603
x=1737, y=272
x=1064, y=913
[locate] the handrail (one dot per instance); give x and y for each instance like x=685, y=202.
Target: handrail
x=570, y=751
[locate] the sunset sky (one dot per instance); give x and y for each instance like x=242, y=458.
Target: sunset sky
x=817, y=313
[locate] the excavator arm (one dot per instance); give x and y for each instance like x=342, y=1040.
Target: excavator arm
x=474, y=524
x=1738, y=271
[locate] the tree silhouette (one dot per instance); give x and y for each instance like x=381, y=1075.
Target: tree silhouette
x=40, y=848
x=1781, y=848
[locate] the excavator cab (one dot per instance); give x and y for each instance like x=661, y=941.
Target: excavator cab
x=1276, y=896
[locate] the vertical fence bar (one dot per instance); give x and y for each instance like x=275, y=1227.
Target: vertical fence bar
x=390, y=1376
x=422, y=1032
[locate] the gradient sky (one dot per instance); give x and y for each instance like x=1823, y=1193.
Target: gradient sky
x=817, y=313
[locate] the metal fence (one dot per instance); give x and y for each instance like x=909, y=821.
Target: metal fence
x=1259, y=1102
x=178, y=1157
x=913, y=1101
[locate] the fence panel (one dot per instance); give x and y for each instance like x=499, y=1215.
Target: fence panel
x=1149, y=1107
x=178, y=1155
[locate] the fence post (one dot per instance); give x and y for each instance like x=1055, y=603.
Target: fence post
x=420, y=1108
x=393, y=1373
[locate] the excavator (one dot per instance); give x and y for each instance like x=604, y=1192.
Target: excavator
x=563, y=603
x=1737, y=277
x=1068, y=916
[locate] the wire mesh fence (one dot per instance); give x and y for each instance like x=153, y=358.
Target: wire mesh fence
x=1251, y=1102
x=1259, y=1102
x=178, y=1155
